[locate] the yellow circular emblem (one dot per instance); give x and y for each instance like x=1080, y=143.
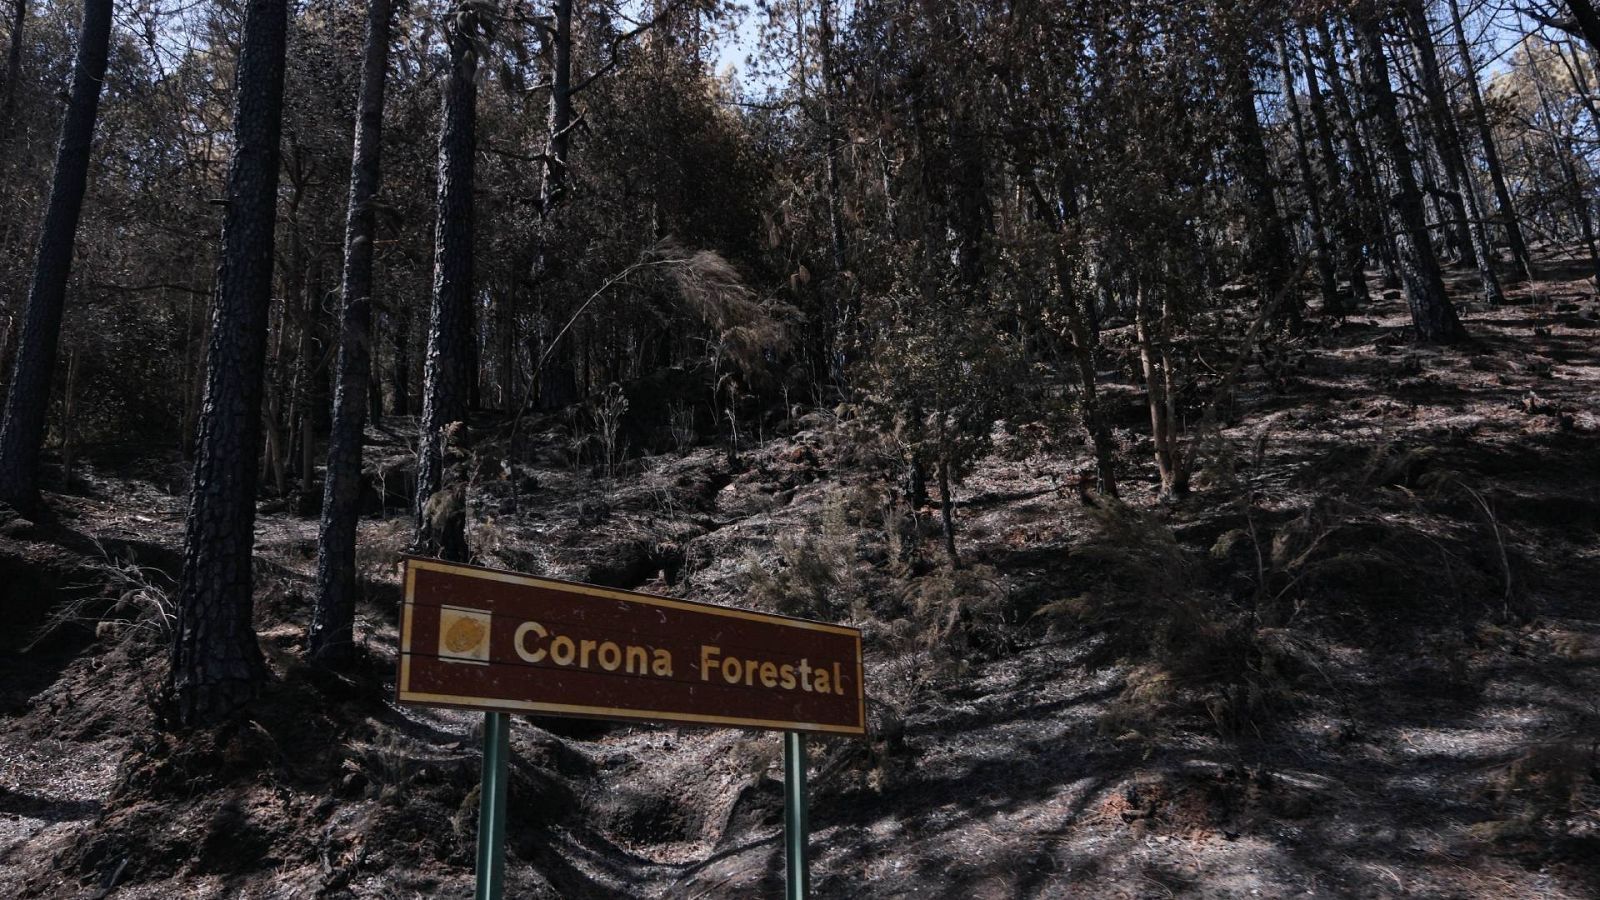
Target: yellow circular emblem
x=464, y=634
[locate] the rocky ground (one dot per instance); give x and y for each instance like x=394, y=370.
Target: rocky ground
x=1361, y=660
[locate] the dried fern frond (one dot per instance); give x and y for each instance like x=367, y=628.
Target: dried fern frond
x=748, y=328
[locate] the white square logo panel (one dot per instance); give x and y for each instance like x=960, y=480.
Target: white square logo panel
x=464, y=635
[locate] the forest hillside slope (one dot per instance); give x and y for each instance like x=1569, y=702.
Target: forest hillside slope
x=1361, y=659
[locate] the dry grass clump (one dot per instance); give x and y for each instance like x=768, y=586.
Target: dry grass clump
x=851, y=508
x=940, y=625
x=1552, y=789
x=123, y=599
x=956, y=616
x=1190, y=649
x=381, y=546
x=810, y=578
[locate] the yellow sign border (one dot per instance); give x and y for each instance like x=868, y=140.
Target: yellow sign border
x=405, y=694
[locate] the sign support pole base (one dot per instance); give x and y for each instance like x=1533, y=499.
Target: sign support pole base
x=796, y=818
x=492, y=807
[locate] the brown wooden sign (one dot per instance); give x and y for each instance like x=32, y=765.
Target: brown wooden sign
x=493, y=640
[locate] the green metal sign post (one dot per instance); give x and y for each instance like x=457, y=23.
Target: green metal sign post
x=796, y=827
x=492, y=812
x=492, y=807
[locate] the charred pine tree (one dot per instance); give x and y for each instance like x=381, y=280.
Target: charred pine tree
x=1561, y=146
x=447, y=376
x=1308, y=181
x=332, y=619
x=1341, y=196
x=34, y=367
x=19, y=20
x=1363, y=169
x=1269, y=237
x=1448, y=137
x=1432, y=314
x=1491, y=153
x=1082, y=349
x=399, y=323
x=554, y=187
x=1440, y=189
x=968, y=214
x=845, y=312
x=558, y=384
x=216, y=664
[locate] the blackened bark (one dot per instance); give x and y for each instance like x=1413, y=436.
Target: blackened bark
x=557, y=385
x=1363, y=172
x=1079, y=312
x=1565, y=153
x=400, y=373
x=1308, y=181
x=216, y=664
x=1588, y=21
x=505, y=322
x=1491, y=153
x=954, y=175
x=333, y=617
x=845, y=313
x=29, y=396
x=968, y=212
x=19, y=20
x=555, y=166
x=1447, y=215
x=374, y=394
x=447, y=376
x=916, y=484
x=1158, y=395
x=1094, y=420
x=1450, y=151
x=1449, y=144
x=1269, y=243
x=1432, y=315
x=1338, y=190
x=947, y=516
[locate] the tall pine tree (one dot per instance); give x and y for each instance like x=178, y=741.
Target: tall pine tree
x=216, y=664
x=33, y=372
x=333, y=616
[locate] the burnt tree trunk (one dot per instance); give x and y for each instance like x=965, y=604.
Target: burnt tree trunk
x=1308, y=181
x=1077, y=306
x=1588, y=21
x=1150, y=334
x=1449, y=143
x=1440, y=187
x=400, y=373
x=1363, y=171
x=1491, y=153
x=447, y=376
x=555, y=166
x=845, y=312
x=1562, y=147
x=947, y=517
x=29, y=397
x=1432, y=314
x=216, y=664
x=332, y=619
x=1269, y=238
x=558, y=384
x=19, y=19
x=1337, y=187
